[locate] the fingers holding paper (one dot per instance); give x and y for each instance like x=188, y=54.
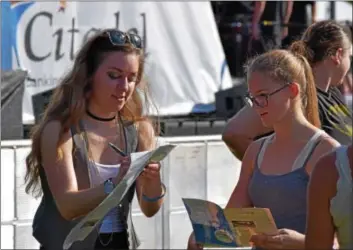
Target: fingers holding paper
x=151, y=171
x=284, y=239
x=124, y=167
x=192, y=245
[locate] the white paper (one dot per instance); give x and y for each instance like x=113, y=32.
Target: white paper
x=90, y=221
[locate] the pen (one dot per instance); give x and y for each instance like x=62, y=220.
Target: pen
x=116, y=149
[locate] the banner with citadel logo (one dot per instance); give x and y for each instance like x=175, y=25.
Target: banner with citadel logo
x=185, y=65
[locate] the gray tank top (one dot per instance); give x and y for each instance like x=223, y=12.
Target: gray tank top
x=284, y=195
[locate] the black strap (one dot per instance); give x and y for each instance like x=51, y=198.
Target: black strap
x=311, y=152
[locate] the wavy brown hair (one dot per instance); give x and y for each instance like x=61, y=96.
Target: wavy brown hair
x=68, y=102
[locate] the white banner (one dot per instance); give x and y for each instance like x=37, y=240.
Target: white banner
x=186, y=62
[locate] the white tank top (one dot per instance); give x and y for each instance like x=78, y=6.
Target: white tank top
x=99, y=173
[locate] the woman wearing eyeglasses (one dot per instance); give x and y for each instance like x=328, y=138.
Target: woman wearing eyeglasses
x=72, y=165
x=275, y=169
x=328, y=50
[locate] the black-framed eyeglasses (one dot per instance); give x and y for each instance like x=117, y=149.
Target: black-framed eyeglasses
x=119, y=38
x=262, y=99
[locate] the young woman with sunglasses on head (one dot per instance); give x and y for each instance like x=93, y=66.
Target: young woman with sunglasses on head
x=330, y=205
x=275, y=169
x=71, y=163
x=328, y=49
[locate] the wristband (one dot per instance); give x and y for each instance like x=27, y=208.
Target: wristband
x=154, y=199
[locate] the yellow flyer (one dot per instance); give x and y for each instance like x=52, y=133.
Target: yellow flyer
x=246, y=222
x=231, y=227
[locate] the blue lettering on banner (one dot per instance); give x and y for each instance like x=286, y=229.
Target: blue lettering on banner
x=11, y=14
x=12, y=11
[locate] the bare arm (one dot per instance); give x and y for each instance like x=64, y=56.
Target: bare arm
x=61, y=176
x=241, y=130
x=320, y=229
x=288, y=13
x=152, y=189
x=258, y=11
x=240, y=196
x=313, y=12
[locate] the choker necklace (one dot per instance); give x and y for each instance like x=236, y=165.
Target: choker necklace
x=99, y=118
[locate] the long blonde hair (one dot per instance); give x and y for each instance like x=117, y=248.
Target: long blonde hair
x=68, y=102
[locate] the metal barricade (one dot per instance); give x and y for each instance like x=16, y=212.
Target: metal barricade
x=200, y=167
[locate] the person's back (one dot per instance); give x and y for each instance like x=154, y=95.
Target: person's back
x=330, y=210
x=342, y=203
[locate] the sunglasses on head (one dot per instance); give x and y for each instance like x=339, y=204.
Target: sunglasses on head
x=120, y=38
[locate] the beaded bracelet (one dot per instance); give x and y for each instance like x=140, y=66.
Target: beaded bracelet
x=154, y=199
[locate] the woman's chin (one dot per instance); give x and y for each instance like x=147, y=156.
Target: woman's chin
x=119, y=106
x=267, y=123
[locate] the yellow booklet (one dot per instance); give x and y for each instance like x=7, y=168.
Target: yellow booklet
x=230, y=227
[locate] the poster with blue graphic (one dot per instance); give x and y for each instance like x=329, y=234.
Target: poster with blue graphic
x=210, y=225
x=11, y=13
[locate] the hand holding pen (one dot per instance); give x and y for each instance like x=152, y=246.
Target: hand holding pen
x=124, y=165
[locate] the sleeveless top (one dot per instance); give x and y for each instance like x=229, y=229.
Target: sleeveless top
x=342, y=204
x=111, y=222
x=285, y=195
x=50, y=228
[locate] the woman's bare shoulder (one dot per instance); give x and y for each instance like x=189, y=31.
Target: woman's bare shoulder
x=52, y=136
x=253, y=150
x=146, y=135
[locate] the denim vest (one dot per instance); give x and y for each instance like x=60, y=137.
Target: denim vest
x=50, y=228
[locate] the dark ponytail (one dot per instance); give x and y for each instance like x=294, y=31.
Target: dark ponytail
x=300, y=48
x=320, y=40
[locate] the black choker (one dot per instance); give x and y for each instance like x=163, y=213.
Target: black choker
x=99, y=118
